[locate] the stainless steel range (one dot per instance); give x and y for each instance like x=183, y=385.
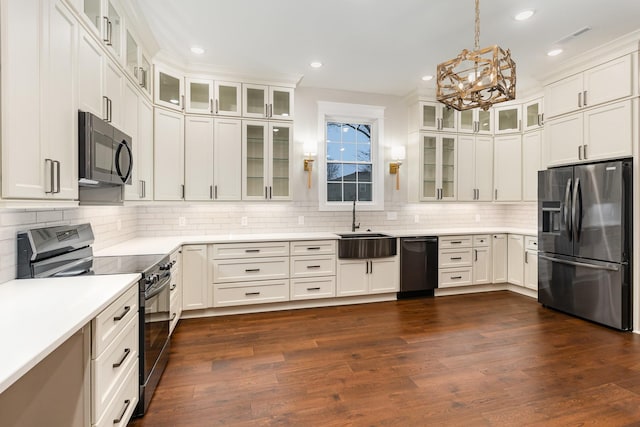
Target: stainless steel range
x=63, y=251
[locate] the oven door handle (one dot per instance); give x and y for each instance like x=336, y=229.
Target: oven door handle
x=155, y=291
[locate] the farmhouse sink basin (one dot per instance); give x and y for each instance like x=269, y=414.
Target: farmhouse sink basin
x=366, y=245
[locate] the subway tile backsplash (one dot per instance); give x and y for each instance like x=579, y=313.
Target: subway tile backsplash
x=113, y=225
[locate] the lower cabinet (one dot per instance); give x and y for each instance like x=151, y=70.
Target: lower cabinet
x=482, y=260
x=244, y=293
x=368, y=276
x=531, y=262
x=195, y=291
x=175, y=288
x=499, y=248
x=515, y=259
x=455, y=261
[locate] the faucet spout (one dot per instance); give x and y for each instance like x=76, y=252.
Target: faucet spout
x=353, y=221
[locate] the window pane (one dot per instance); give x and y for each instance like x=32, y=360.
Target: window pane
x=350, y=192
x=365, y=192
x=333, y=151
x=364, y=152
x=348, y=133
x=333, y=132
x=334, y=192
x=349, y=152
x=364, y=133
x=349, y=172
x=334, y=171
x=364, y=173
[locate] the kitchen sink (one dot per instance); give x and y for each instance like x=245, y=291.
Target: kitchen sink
x=366, y=245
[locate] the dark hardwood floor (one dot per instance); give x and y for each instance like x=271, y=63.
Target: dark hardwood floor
x=492, y=359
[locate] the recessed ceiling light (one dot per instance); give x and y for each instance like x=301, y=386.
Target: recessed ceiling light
x=427, y=77
x=554, y=52
x=316, y=64
x=524, y=15
x=197, y=50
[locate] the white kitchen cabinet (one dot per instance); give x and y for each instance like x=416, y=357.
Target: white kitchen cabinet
x=437, y=116
x=500, y=254
x=476, y=121
x=531, y=164
x=136, y=64
x=113, y=94
x=533, y=115
x=266, y=154
x=142, y=183
x=199, y=96
x=213, y=158
x=130, y=126
x=531, y=263
x=515, y=259
x=596, y=134
x=438, y=166
x=475, y=168
x=39, y=100
x=482, y=260
x=312, y=269
x=168, y=155
x=227, y=98
x=597, y=85
x=195, y=288
x=507, y=167
x=175, y=289
x=105, y=20
x=169, y=88
x=362, y=277
x=91, y=60
x=508, y=119
x=272, y=102
x=213, y=97
x=455, y=261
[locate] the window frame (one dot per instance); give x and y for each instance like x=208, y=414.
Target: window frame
x=352, y=113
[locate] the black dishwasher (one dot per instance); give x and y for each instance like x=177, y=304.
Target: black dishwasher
x=418, y=266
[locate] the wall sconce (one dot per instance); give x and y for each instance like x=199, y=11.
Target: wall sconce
x=398, y=155
x=310, y=149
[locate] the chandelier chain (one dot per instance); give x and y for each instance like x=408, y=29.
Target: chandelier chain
x=477, y=40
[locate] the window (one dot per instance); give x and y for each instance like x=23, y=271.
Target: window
x=349, y=163
x=350, y=156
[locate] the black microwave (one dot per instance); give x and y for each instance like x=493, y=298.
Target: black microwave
x=104, y=152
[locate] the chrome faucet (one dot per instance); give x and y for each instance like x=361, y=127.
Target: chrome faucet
x=353, y=222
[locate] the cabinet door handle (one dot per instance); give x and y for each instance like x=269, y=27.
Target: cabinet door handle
x=105, y=30
x=476, y=251
x=526, y=257
x=266, y=110
x=270, y=192
x=496, y=196
x=141, y=188
x=56, y=163
x=313, y=266
x=252, y=270
x=367, y=267
x=173, y=317
x=215, y=192
x=456, y=242
x=183, y=190
x=584, y=98
x=270, y=110
x=265, y=193
x=313, y=289
x=249, y=294
x=579, y=99
x=211, y=191
x=51, y=174
x=251, y=251
x=109, y=32
x=173, y=287
x=124, y=313
x=584, y=151
x=211, y=105
x=124, y=411
x=105, y=105
x=456, y=277
x=579, y=152
x=313, y=248
x=371, y=268
x=119, y=363
x=144, y=189
x=217, y=108
x=456, y=258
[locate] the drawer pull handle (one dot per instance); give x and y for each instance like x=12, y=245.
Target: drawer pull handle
x=457, y=258
x=456, y=277
x=457, y=242
x=127, y=351
x=313, y=289
x=124, y=411
x=173, y=317
x=313, y=266
x=173, y=287
x=251, y=251
x=124, y=313
x=252, y=270
x=249, y=294
x=313, y=248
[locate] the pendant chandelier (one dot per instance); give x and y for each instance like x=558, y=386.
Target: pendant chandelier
x=477, y=79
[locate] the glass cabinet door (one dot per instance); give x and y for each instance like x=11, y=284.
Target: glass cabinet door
x=533, y=115
x=508, y=119
x=199, y=97
x=169, y=89
x=428, y=116
x=93, y=10
x=447, y=118
x=467, y=121
x=255, y=100
x=484, y=122
x=255, y=154
x=429, y=151
x=227, y=98
x=448, y=187
x=132, y=56
x=280, y=159
x=144, y=74
x=281, y=103
x=114, y=29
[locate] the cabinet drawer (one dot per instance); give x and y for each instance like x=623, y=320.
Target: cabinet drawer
x=531, y=243
x=307, y=266
x=238, y=270
x=123, y=403
x=249, y=250
x=312, y=288
x=452, y=277
x=108, y=324
x=449, y=242
x=108, y=370
x=225, y=295
x=454, y=257
x=313, y=247
x=481, y=240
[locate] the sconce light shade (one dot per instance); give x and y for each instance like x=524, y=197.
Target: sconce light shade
x=398, y=152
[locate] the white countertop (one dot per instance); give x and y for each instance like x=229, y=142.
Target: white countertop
x=165, y=245
x=38, y=315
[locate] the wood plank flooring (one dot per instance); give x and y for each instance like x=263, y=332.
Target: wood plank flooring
x=492, y=359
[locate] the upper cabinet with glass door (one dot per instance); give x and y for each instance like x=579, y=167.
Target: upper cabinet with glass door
x=136, y=63
x=438, y=167
x=508, y=119
x=209, y=97
x=533, y=114
x=169, y=88
x=272, y=102
x=106, y=21
x=437, y=116
x=475, y=121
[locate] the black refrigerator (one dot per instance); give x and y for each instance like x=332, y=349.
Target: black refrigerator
x=585, y=240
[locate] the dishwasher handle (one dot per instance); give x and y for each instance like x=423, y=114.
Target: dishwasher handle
x=422, y=240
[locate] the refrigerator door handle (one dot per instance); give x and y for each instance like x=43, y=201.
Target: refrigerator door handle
x=565, y=209
x=576, y=210
x=610, y=267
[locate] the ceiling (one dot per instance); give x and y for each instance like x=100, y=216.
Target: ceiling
x=376, y=46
